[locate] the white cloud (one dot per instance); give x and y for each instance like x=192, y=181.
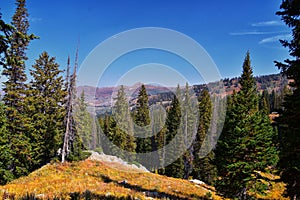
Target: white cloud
x=276, y=38
x=268, y=23
x=256, y=33
x=251, y=33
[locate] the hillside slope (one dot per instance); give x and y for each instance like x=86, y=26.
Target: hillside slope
x=93, y=179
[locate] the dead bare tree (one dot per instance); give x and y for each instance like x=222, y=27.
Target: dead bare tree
x=70, y=101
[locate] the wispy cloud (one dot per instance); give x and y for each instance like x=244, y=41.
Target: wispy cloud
x=250, y=33
x=268, y=23
x=256, y=32
x=35, y=19
x=276, y=38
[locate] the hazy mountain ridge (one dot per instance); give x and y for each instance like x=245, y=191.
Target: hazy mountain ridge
x=103, y=98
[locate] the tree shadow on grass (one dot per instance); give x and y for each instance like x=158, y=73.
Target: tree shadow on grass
x=154, y=193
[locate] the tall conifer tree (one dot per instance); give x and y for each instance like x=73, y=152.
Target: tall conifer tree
x=289, y=121
x=46, y=111
x=245, y=144
x=142, y=120
x=124, y=122
x=118, y=128
x=203, y=167
x=188, y=129
x=264, y=103
x=15, y=92
x=173, y=120
x=83, y=121
x=159, y=131
x=108, y=126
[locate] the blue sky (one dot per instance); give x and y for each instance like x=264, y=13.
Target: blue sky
x=225, y=29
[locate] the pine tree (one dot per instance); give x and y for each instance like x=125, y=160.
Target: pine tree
x=124, y=123
x=45, y=108
x=95, y=143
x=83, y=121
x=107, y=125
x=142, y=120
x=160, y=144
x=245, y=144
x=203, y=167
x=115, y=140
x=15, y=91
x=289, y=121
x=272, y=101
x=189, y=129
x=173, y=157
x=159, y=139
x=264, y=103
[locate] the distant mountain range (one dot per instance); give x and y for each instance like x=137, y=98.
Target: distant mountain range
x=103, y=98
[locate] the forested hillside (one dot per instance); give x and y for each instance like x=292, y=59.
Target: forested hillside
x=275, y=86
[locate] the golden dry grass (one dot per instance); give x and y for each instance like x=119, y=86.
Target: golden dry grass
x=62, y=180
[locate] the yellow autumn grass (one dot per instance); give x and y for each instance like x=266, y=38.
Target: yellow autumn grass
x=62, y=180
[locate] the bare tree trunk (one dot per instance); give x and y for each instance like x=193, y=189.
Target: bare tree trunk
x=65, y=149
x=66, y=135
x=71, y=90
x=65, y=146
